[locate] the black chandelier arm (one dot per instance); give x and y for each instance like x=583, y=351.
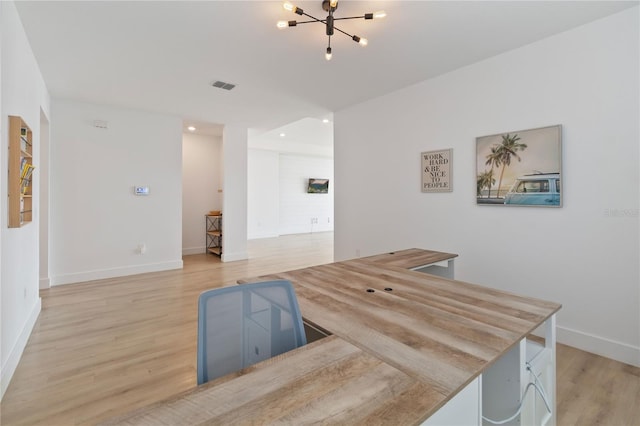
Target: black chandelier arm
x=343, y=32
x=323, y=22
x=309, y=22
x=312, y=17
x=349, y=17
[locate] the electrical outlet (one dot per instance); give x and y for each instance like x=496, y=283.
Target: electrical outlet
x=357, y=252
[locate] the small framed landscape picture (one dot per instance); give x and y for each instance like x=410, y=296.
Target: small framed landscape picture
x=522, y=168
x=318, y=186
x=436, y=170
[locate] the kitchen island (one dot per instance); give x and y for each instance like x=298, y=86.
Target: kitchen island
x=403, y=347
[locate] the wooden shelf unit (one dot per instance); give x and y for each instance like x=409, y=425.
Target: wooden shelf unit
x=213, y=241
x=20, y=191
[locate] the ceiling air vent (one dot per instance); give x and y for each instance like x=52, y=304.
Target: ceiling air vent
x=222, y=85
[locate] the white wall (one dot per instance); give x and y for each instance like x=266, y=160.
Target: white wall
x=97, y=223
x=263, y=200
x=23, y=93
x=201, y=187
x=586, y=254
x=3, y=370
x=43, y=165
x=297, y=207
x=2, y=185
x=234, y=196
x=278, y=202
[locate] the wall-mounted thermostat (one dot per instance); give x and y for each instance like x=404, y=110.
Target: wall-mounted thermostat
x=141, y=190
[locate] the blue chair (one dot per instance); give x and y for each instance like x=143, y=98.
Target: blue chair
x=241, y=325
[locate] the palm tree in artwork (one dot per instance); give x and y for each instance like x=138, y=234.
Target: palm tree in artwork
x=506, y=150
x=494, y=160
x=485, y=180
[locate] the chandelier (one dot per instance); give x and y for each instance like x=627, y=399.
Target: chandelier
x=328, y=6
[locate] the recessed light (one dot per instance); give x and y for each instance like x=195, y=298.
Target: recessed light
x=282, y=135
x=191, y=129
x=326, y=120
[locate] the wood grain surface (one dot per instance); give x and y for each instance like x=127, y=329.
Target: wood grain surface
x=326, y=381
x=101, y=349
x=416, y=341
x=441, y=331
x=409, y=258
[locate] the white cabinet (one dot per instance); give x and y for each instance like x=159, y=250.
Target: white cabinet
x=442, y=269
x=462, y=410
x=521, y=385
x=258, y=337
x=511, y=388
x=541, y=371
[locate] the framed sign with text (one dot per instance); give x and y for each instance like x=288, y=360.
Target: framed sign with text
x=437, y=169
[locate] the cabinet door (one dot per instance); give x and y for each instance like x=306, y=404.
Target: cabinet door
x=257, y=345
x=462, y=409
x=542, y=370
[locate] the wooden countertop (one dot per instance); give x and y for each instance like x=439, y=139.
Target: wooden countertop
x=408, y=259
x=326, y=381
x=427, y=338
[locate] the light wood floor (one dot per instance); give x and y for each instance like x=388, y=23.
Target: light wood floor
x=106, y=347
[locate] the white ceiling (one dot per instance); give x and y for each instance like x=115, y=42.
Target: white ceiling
x=162, y=55
x=307, y=136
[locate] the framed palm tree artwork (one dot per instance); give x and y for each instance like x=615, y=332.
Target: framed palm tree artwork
x=522, y=168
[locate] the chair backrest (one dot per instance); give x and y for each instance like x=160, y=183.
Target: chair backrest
x=243, y=324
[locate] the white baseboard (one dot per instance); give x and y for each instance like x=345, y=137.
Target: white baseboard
x=193, y=250
x=305, y=230
x=10, y=366
x=261, y=235
x=232, y=257
x=45, y=283
x=78, y=277
x=598, y=345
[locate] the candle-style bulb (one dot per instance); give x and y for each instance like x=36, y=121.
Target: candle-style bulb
x=328, y=54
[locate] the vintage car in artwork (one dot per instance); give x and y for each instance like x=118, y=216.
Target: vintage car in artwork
x=540, y=189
